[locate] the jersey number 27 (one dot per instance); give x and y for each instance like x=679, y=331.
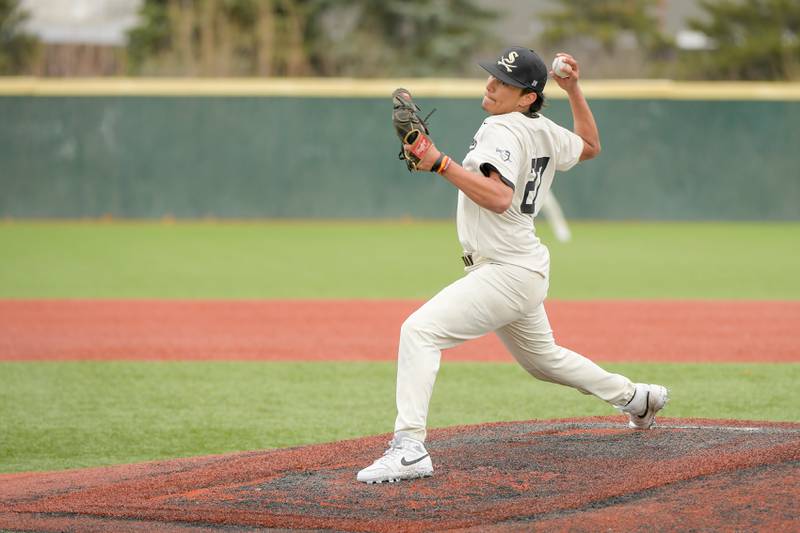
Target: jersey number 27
x=538, y=165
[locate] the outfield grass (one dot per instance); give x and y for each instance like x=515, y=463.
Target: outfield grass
x=64, y=415
x=385, y=260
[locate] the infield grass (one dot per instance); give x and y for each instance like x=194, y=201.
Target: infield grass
x=58, y=415
x=608, y=260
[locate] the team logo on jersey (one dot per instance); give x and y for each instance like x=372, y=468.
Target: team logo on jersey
x=505, y=155
x=508, y=61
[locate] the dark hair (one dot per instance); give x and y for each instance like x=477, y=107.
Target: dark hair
x=536, y=106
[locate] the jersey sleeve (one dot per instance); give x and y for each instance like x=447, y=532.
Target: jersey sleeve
x=569, y=146
x=496, y=146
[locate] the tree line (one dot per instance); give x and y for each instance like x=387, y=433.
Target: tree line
x=747, y=39
x=305, y=37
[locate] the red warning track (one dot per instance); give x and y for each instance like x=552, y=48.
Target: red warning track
x=669, y=331
x=579, y=475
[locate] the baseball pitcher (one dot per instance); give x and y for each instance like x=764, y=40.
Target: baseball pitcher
x=507, y=171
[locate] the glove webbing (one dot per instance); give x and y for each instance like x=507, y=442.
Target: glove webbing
x=401, y=156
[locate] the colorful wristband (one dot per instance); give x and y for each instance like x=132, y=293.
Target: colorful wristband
x=436, y=164
x=441, y=164
x=445, y=165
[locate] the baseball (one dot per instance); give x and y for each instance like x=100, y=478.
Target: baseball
x=561, y=68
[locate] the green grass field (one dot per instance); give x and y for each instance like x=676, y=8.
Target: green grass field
x=66, y=415
x=63, y=415
x=385, y=260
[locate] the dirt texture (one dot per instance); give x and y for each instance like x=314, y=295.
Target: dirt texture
x=585, y=474
x=667, y=331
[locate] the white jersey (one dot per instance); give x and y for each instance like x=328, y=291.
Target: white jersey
x=526, y=152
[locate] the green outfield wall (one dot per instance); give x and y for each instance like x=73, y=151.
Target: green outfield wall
x=326, y=149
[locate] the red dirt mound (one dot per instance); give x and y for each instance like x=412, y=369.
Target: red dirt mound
x=579, y=475
x=669, y=331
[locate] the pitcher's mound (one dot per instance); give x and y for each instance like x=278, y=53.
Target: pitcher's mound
x=580, y=475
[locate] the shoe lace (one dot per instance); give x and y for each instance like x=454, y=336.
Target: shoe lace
x=395, y=449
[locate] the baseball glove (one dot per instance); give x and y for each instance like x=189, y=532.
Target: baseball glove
x=411, y=129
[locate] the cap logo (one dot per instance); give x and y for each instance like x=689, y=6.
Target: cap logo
x=508, y=61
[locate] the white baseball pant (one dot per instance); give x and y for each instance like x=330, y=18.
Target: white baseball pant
x=508, y=300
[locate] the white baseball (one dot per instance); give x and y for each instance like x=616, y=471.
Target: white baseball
x=561, y=68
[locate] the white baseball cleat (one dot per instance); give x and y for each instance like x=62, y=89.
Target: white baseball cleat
x=406, y=458
x=646, y=402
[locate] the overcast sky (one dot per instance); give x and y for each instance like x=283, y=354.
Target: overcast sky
x=95, y=21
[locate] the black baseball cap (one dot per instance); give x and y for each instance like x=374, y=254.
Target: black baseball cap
x=520, y=67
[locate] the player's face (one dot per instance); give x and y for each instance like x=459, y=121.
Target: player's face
x=500, y=98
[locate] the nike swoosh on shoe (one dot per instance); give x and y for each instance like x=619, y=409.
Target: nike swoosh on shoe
x=646, y=406
x=409, y=463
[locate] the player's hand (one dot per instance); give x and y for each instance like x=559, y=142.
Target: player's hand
x=427, y=161
x=570, y=81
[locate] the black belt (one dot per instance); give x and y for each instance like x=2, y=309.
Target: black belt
x=467, y=258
